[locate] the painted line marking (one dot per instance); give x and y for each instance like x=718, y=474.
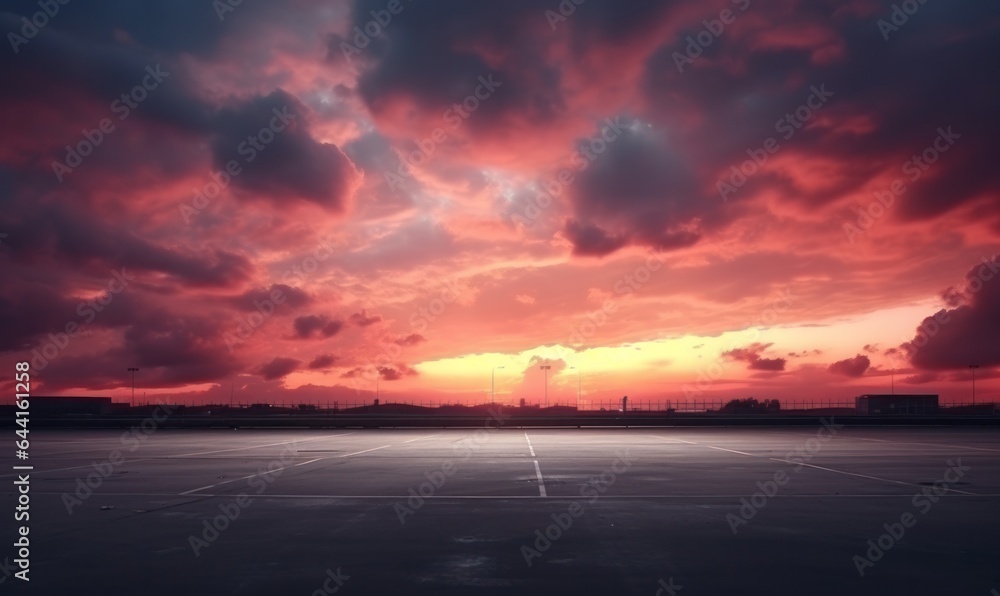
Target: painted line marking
x=307, y=462
x=420, y=439
x=866, y=476
x=541, y=483
x=258, y=446
x=732, y=451
x=673, y=439
x=530, y=448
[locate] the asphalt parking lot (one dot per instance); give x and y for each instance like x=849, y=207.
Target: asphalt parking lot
x=821, y=510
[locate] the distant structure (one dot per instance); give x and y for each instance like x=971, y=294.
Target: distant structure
x=47, y=406
x=886, y=404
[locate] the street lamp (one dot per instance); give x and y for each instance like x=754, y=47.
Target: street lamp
x=378, y=375
x=493, y=377
x=973, y=367
x=546, y=368
x=133, y=371
x=578, y=385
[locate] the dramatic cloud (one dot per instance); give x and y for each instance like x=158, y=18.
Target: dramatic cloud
x=581, y=197
x=851, y=367
x=279, y=368
x=410, y=340
x=308, y=326
x=322, y=362
x=361, y=319
x=283, y=161
x=967, y=334
x=385, y=373
x=752, y=356
x=278, y=295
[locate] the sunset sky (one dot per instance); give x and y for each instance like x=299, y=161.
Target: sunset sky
x=786, y=199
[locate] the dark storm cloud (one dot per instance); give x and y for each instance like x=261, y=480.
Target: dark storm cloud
x=925, y=77
x=278, y=368
x=170, y=349
x=28, y=312
x=425, y=54
x=270, y=137
x=954, y=338
x=412, y=339
x=292, y=298
x=71, y=236
x=361, y=319
x=386, y=373
x=308, y=326
x=851, y=367
x=639, y=190
x=752, y=356
x=322, y=361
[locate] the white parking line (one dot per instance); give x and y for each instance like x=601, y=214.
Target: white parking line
x=541, y=483
x=258, y=446
x=962, y=492
x=732, y=451
x=188, y=492
x=943, y=445
x=673, y=439
x=420, y=439
x=530, y=448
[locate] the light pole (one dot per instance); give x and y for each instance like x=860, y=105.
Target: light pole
x=493, y=378
x=133, y=371
x=973, y=368
x=378, y=375
x=578, y=385
x=546, y=368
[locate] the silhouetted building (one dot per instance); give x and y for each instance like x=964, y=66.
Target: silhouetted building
x=888, y=404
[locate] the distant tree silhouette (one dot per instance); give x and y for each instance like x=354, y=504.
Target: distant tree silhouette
x=751, y=405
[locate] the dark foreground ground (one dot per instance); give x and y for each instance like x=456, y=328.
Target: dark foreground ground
x=643, y=511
